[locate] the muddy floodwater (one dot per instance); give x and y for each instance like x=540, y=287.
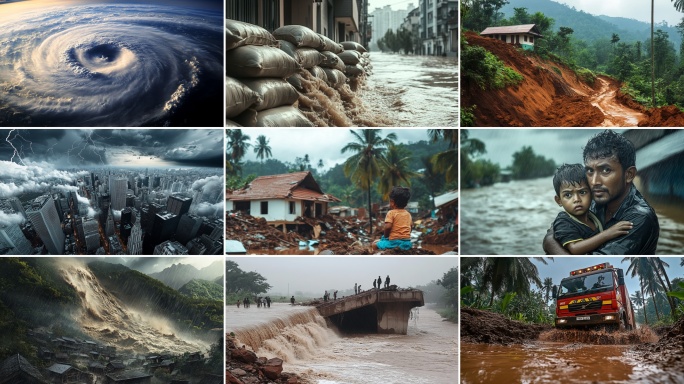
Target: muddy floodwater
x=414, y=91
x=512, y=218
x=553, y=362
x=428, y=354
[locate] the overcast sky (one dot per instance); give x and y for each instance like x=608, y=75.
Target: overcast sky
x=64, y=148
x=308, y=274
x=631, y=9
x=561, y=145
x=324, y=143
x=149, y=265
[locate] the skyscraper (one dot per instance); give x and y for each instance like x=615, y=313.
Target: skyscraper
x=16, y=205
x=118, y=187
x=92, y=234
x=45, y=219
x=134, y=246
x=187, y=228
x=13, y=241
x=178, y=204
x=170, y=248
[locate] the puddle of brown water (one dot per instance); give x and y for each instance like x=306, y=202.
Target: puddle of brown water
x=553, y=362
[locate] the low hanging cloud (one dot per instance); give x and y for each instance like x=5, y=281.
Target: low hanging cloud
x=16, y=179
x=208, y=210
x=10, y=218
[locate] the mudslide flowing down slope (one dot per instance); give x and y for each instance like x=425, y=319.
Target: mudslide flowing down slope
x=616, y=114
x=553, y=95
x=105, y=318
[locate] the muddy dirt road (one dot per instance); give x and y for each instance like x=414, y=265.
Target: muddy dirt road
x=616, y=114
x=495, y=349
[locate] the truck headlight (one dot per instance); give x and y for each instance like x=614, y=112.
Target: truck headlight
x=609, y=317
x=562, y=321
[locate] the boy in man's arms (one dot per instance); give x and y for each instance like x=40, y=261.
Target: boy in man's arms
x=577, y=228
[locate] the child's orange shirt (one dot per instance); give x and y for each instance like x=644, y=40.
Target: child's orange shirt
x=401, y=224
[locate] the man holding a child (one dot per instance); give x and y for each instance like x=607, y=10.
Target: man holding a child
x=610, y=169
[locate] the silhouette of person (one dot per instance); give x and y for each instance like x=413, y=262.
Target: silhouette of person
x=356, y=289
x=379, y=282
x=292, y=300
x=387, y=282
x=374, y=284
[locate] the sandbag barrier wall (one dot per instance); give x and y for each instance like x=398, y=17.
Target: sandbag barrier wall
x=264, y=71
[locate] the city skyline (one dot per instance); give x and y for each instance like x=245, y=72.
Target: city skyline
x=68, y=192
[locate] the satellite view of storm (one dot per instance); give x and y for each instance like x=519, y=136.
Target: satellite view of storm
x=99, y=63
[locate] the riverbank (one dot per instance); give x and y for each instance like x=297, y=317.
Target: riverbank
x=244, y=367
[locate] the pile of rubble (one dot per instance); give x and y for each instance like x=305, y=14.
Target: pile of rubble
x=437, y=232
x=244, y=367
x=254, y=232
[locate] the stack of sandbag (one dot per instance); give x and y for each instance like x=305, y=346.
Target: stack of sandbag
x=314, y=52
x=355, y=58
x=255, y=63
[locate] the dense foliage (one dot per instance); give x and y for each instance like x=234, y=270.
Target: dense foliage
x=240, y=283
x=202, y=289
x=142, y=291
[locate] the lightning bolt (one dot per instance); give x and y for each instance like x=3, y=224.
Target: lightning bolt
x=16, y=153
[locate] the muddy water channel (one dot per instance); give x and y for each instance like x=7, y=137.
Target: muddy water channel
x=555, y=362
x=415, y=91
x=512, y=218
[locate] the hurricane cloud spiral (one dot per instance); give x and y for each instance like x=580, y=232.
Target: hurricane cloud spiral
x=107, y=64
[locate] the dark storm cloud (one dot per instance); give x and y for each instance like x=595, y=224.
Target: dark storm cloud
x=65, y=147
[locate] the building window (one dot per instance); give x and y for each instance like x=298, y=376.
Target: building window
x=264, y=207
x=531, y=39
x=525, y=37
x=292, y=208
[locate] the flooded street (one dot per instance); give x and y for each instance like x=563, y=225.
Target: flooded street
x=414, y=91
x=427, y=354
x=512, y=218
x=553, y=362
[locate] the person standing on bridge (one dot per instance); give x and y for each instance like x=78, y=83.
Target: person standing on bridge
x=292, y=300
x=379, y=282
x=356, y=289
x=374, y=284
x=335, y=295
x=387, y=281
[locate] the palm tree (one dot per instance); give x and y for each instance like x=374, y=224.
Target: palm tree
x=237, y=143
x=262, y=149
x=652, y=58
x=320, y=164
x=395, y=170
x=510, y=274
x=433, y=180
x=547, y=286
x=643, y=268
x=364, y=166
x=638, y=300
x=659, y=270
x=447, y=161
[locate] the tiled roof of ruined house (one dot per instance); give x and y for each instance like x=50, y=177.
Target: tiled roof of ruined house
x=513, y=29
x=297, y=185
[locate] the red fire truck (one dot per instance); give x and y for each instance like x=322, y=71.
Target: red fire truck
x=594, y=297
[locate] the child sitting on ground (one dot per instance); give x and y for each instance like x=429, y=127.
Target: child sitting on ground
x=577, y=228
x=397, y=231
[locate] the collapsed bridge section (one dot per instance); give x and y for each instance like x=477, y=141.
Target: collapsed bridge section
x=374, y=311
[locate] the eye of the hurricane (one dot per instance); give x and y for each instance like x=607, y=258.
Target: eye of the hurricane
x=103, y=59
x=103, y=53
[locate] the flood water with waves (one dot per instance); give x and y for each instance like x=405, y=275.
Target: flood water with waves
x=512, y=218
x=414, y=91
x=319, y=354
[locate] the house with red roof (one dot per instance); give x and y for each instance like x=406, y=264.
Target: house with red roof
x=521, y=35
x=280, y=199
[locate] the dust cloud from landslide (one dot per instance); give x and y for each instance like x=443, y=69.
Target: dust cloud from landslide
x=105, y=318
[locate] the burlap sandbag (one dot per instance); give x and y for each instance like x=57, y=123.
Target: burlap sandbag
x=296, y=81
x=272, y=92
x=353, y=46
x=350, y=57
x=309, y=57
x=239, y=97
x=298, y=35
x=287, y=116
x=331, y=60
x=239, y=33
x=353, y=70
x=259, y=61
x=335, y=77
x=329, y=45
x=319, y=72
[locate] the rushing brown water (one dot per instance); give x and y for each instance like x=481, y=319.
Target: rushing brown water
x=414, y=91
x=105, y=318
x=512, y=219
x=554, y=362
x=298, y=335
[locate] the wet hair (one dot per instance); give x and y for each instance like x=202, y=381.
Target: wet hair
x=400, y=196
x=607, y=144
x=572, y=174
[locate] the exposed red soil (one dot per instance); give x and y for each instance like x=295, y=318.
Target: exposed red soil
x=667, y=352
x=548, y=98
x=492, y=328
x=669, y=116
